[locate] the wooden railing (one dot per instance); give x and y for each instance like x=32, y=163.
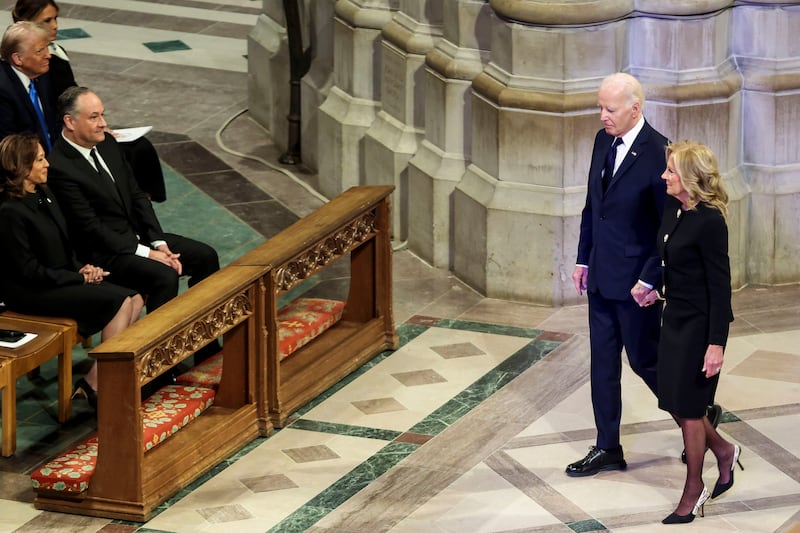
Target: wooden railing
x=258, y=390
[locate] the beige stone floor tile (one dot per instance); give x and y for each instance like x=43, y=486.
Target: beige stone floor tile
x=270, y=507
x=479, y=501
x=417, y=401
x=776, y=428
x=15, y=514
x=508, y=313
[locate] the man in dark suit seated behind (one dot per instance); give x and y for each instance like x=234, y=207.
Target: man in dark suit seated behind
x=24, y=79
x=111, y=220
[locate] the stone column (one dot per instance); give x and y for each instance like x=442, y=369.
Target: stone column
x=394, y=136
x=517, y=207
x=316, y=84
x=354, y=99
x=442, y=156
x=268, y=71
x=766, y=47
x=685, y=59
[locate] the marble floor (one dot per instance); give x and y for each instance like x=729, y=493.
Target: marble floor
x=467, y=426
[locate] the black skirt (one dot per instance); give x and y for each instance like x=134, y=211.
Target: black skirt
x=91, y=306
x=683, y=389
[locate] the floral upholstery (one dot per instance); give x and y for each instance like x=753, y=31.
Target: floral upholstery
x=69, y=472
x=170, y=408
x=206, y=374
x=163, y=414
x=298, y=323
x=303, y=319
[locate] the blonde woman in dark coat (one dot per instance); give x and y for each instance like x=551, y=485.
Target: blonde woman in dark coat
x=693, y=242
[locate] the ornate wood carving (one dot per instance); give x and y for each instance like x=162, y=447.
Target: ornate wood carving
x=185, y=342
x=311, y=261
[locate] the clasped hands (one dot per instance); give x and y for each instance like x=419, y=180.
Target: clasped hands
x=644, y=296
x=92, y=274
x=163, y=254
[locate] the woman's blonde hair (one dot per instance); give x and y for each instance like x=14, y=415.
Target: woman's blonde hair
x=697, y=167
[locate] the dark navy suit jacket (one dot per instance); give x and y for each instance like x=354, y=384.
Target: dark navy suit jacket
x=17, y=114
x=103, y=222
x=618, y=228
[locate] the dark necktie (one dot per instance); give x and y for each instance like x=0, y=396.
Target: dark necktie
x=611, y=157
x=34, y=95
x=105, y=176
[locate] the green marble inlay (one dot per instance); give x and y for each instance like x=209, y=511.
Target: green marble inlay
x=586, y=525
x=362, y=475
x=300, y=520
x=345, y=429
x=408, y=332
x=71, y=33
x=488, y=384
x=190, y=212
x=727, y=416
x=482, y=327
x=345, y=487
x=167, y=46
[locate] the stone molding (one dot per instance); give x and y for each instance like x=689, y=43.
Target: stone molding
x=361, y=16
x=568, y=13
x=410, y=35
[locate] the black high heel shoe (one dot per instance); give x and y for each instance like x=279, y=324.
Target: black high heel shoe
x=676, y=518
x=84, y=390
x=720, y=488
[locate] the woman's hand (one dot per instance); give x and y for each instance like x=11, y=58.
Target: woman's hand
x=643, y=296
x=92, y=274
x=712, y=362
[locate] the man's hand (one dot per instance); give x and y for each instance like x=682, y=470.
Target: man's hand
x=643, y=295
x=164, y=255
x=579, y=276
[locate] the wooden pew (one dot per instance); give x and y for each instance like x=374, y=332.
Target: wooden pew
x=355, y=223
x=258, y=389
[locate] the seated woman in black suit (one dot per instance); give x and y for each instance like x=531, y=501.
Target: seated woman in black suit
x=141, y=154
x=40, y=274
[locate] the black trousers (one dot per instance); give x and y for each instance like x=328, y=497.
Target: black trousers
x=143, y=159
x=155, y=279
x=614, y=324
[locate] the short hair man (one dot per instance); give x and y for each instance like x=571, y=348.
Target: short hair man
x=26, y=96
x=111, y=220
x=617, y=251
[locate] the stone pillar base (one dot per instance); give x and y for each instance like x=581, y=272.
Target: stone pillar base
x=432, y=177
x=509, y=238
x=343, y=121
x=388, y=146
x=268, y=77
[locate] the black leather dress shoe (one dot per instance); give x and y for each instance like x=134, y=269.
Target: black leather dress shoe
x=714, y=413
x=597, y=460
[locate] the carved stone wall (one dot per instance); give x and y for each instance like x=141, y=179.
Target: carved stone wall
x=494, y=130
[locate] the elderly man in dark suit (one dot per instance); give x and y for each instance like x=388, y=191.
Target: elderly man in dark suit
x=26, y=96
x=111, y=221
x=618, y=262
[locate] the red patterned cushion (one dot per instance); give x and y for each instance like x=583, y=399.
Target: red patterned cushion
x=171, y=408
x=163, y=413
x=303, y=319
x=69, y=472
x=206, y=374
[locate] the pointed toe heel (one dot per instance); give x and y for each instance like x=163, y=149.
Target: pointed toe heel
x=84, y=390
x=721, y=488
x=699, y=507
